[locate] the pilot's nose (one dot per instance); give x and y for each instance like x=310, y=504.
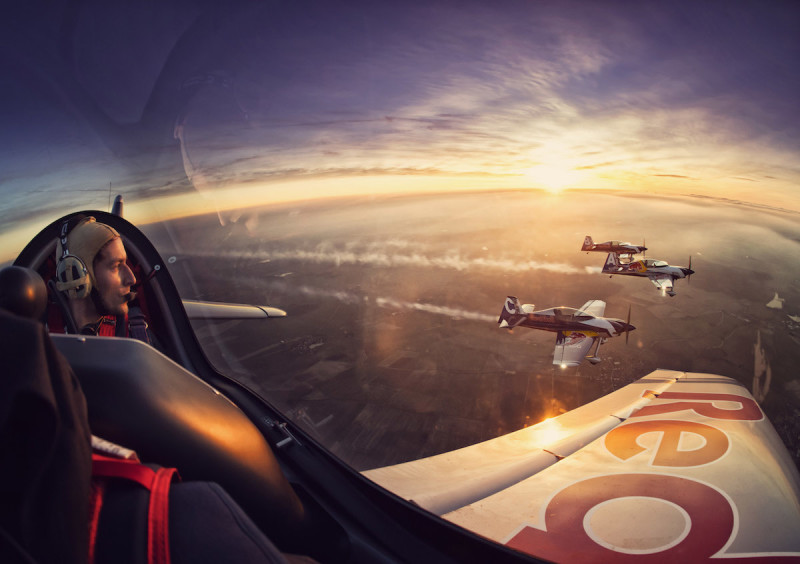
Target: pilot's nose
x=128, y=278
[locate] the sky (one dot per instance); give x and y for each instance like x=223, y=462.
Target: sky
x=248, y=103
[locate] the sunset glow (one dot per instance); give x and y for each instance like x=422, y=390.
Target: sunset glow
x=671, y=99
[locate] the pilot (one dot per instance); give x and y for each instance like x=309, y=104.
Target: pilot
x=93, y=275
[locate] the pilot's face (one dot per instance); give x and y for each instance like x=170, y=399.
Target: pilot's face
x=113, y=278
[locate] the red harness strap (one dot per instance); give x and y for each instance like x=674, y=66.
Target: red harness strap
x=108, y=326
x=157, y=481
x=96, y=492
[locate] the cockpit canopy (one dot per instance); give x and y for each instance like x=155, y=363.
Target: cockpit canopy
x=570, y=312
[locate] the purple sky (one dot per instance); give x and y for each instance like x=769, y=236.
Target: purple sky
x=678, y=97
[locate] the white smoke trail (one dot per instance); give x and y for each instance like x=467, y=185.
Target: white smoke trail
x=452, y=260
x=388, y=303
x=341, y=295
x=348, y=298
x=433, y=308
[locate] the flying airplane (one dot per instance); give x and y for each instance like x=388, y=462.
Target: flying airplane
x=577, y=329
x=660, y=273
x=622, y=248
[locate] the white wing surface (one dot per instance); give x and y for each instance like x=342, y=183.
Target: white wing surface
x=571, y=348
x=594, y=307
x=662, y=282
x=675, y=467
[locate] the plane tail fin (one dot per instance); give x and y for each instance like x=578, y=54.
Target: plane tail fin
x=511, y=314
x=612, y=263
x=587, y=243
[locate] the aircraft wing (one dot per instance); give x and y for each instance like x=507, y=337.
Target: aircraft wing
x=571, y=348
x=217, y=310
x=673, y=467
x=662, y=282
x=594, y=307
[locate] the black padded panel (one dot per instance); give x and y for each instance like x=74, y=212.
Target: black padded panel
x=141, y=399
x=23, y=292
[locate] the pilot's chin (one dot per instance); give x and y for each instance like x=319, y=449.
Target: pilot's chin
x=121, y=308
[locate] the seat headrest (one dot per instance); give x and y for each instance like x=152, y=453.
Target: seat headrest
x=22, y=292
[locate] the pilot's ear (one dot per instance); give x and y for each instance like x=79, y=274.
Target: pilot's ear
x=72, y=278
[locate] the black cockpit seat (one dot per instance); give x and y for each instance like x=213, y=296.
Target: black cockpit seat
x=46, y=471
x=139, y=398
x=45, y=463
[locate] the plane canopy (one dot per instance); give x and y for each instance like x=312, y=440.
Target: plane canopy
x=566, y=312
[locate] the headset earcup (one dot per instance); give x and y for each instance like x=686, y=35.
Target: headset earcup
x=72, y=277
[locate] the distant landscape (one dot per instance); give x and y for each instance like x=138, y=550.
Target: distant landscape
x=391, y=350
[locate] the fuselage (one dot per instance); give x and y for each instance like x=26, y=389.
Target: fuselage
x=619, y=247
x=568, y=319
x=616, y=247
x=648, y=268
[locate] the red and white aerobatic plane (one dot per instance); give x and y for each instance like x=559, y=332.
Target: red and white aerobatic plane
x=620, y=247
x=578, y=329
x=660, y=273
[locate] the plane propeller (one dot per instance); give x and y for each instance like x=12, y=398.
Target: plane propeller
x=628, y=324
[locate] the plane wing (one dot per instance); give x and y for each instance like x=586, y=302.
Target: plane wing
x=217, y=310
x=675, y=466
x=663, y=282
x=571, y=348
x=594, y=307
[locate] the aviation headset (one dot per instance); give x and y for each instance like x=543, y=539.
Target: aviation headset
x=74, y=270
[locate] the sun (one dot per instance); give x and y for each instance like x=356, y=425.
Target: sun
x=553, y=177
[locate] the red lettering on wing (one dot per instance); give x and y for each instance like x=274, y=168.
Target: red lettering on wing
x=621, y=442
x=702, y=404
x=566, y=539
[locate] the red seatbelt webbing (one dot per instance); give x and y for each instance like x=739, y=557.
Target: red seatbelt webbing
x=96, y=492
x=158, y=517
x=157, y=481
x=108, y=327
